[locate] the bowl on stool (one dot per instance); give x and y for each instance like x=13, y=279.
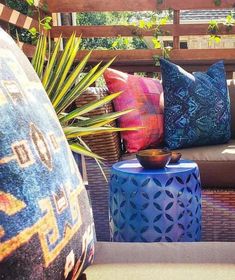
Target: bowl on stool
x=154, y=158
x=175, y=157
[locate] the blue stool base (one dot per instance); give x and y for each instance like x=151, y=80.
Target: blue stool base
x=154, y=206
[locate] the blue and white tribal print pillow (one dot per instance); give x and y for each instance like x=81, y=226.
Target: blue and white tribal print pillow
x=46, y=223
x=196, y=106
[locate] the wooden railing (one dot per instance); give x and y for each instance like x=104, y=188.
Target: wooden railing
x=136, y=60
x=142, y=60
x=58, y=6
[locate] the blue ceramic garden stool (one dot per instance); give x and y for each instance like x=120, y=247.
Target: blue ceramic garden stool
x=155, y=205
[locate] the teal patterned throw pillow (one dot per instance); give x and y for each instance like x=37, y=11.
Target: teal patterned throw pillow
x=196, y=106
x=46, y=224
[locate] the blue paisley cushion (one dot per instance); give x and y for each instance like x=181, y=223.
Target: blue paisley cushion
x=196, y=106
x=46, y=224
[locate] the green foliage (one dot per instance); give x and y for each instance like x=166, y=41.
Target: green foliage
x=142, y=20
x=30, y=2
x=214, y=38
x=44, y=23
x=24, y=7
x=122, y=43
x=157, y=44
x=139, y=43
x=18, y=5
x=229, y=22
x=217, y=2
x=213, y=28
x=33, y=32
x=109, y=18
x=154, y=23
x=64, y=83
x=97, y=18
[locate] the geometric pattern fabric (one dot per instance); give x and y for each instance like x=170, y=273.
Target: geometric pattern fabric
x=196, y=106
x=46, y=224
x=162, y=205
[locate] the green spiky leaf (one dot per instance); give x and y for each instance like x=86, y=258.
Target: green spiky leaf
x=60, y=74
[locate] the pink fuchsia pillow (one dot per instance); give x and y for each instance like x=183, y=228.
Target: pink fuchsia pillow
x=142, y=94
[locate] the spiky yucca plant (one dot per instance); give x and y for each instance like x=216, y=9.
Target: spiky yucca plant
x=64, y=83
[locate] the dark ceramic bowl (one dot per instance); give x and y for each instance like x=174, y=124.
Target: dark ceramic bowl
x=154, y=158
x=175, y=157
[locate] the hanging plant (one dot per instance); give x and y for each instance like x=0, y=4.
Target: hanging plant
x=229, y=22
x=213, y=30
x=44, y=23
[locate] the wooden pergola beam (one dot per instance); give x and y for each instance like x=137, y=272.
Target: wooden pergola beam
x=100, y=31
x=140, y=56
x=146, y=55
x=142, y=60
x=57, y=6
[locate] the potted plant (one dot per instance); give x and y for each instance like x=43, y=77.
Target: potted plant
x=64, y=81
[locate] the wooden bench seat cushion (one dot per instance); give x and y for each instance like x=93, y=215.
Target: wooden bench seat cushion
x=163, y=261
x=216, y=163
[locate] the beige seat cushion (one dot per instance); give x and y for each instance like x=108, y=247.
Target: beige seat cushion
x=216, y=163
x=163, y=261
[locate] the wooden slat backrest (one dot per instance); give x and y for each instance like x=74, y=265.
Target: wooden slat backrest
x=140, y=60
x=135, y=60
x=108, y=31
x=57, y=6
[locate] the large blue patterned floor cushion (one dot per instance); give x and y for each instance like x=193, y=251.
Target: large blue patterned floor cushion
x=46, y=224
x=196, y=106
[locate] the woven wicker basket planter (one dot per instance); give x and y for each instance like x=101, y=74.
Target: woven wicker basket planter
x=107, y=145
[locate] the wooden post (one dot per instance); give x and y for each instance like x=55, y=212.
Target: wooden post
x=176, y=21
